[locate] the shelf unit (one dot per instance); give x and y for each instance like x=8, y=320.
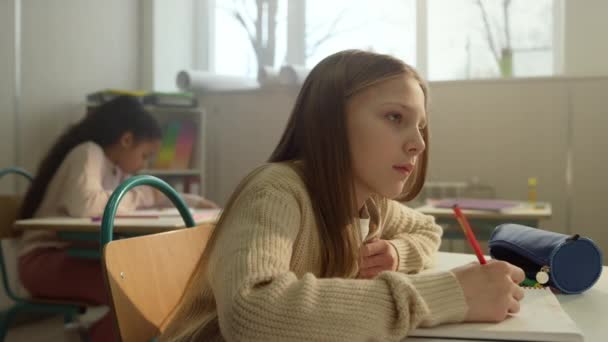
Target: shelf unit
x=193, y=176
x=191, y=179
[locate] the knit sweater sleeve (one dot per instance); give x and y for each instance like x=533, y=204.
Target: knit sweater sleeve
x=258, y=297
x=416, y=236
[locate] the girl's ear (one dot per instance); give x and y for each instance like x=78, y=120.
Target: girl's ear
x=127, y=139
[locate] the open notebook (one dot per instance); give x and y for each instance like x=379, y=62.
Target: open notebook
x=197, y=214
x=541, y=318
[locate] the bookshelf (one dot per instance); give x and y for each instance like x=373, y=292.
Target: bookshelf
x=181, y=160
x=189, y=179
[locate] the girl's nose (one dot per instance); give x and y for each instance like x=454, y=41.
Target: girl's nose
x=415, y=145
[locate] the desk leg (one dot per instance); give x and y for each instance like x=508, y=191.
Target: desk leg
x=90, y=250
x=90, y=242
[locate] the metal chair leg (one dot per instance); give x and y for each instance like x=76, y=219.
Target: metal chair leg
x=6, y=320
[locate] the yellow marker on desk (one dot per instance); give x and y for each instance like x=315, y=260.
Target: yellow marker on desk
x=532, y=191
x=532, y=194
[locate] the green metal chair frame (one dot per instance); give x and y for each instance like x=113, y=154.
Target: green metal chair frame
x=107, y=220
x=69, y=311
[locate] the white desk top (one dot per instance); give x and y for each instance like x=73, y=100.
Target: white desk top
x=523, y=211
x=589, y=309
x=140, y=225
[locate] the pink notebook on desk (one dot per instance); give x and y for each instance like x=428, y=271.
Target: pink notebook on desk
x=476, y=204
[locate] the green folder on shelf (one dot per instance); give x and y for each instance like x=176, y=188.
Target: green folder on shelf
x=167, y=149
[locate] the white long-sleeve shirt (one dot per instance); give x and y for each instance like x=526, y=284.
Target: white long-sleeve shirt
x=81, y=187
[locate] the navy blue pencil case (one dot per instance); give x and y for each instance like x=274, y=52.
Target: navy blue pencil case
x=571, y=264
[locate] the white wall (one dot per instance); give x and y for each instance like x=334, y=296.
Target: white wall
x=590, y=164
x=6, y=91
x=585, y=44
x=503, y=131
x=71, y=48
x=243, y=129
x=168, y=41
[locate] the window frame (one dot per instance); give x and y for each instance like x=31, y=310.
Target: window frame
x=296, y=39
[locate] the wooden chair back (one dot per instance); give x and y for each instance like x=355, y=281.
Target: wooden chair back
x=147, y=276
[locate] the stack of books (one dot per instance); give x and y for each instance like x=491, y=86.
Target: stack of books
x=100, y=97
x=163, y=99
x=153, y=98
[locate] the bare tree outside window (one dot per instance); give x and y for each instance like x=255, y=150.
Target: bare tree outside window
x=466, y=38
x=260, y=25
x=388, y=26
x=489, y=38
x=323, y=29
x=498, y=36
x=330, y=27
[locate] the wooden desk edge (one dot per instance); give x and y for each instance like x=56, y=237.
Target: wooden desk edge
x=87, y=228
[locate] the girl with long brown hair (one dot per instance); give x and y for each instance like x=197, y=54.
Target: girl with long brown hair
x=314, y=246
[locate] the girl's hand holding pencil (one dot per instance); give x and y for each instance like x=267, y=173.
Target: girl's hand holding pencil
x=491, y=289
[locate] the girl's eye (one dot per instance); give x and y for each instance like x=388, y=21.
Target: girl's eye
x=395, y=117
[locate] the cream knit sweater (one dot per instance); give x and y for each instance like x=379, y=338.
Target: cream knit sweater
x=263, y=274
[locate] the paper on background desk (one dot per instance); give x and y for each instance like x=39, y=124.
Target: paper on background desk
x=476, y=204
x=197, y=214
x=491, y=205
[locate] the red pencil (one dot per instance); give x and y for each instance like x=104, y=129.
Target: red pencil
x=468, y=232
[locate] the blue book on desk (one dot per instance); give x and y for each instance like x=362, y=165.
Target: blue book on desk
x=476, y=204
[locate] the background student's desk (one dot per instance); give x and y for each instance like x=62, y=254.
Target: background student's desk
x=589, y=309
x=484, y=222
x=85, y=229
x=128, y=226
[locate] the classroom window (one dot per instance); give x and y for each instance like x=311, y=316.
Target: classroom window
x=489, y=39
x=461, y=39
x=236, y=30
x=387, y=26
